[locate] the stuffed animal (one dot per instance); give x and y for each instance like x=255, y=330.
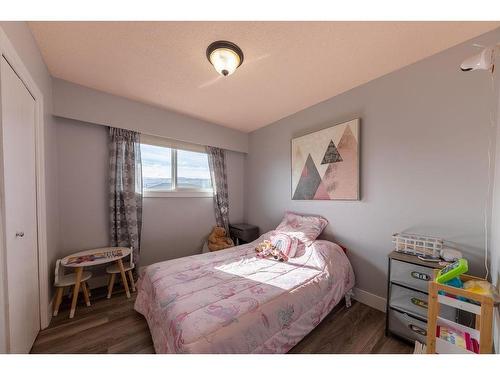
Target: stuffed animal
x=217, y=240
x=263, y=249
x=267, y=249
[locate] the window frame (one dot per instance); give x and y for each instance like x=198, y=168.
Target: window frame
x=175, y=192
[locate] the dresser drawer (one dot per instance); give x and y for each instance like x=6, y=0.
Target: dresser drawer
x=407, y=326
x=411, y=275
x=409, y=300
x=416, y=303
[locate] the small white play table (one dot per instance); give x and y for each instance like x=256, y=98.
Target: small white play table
x=95, y=257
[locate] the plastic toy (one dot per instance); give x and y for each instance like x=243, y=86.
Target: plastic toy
x=455, y=282
x=482, y=287
x=452, y=271
x=267, y=249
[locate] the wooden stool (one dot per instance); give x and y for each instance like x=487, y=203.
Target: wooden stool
x=62, y=281
x=115, y=269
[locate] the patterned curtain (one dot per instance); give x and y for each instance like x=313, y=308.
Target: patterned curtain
x=217, y=163
x=125, y=186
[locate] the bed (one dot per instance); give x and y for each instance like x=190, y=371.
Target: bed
x=232, y=301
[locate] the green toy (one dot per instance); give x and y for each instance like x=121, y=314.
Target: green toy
x=453, y=270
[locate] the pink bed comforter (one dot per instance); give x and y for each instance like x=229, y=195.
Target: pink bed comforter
x=230, y=301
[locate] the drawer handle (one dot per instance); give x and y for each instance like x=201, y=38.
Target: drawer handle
x=417, y=330
x=418, y=302
x=420, y=276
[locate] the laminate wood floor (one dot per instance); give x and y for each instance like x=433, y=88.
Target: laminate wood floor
x=113, y=326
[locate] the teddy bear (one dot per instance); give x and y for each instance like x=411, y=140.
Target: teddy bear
x=217, y=240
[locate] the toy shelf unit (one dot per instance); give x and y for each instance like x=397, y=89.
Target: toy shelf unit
x=416, y=244
x=478, y=304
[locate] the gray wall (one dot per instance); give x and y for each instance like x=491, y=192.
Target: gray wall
x=494, y=256
x=85, y=104
x=424, y=167
x=172, y=227
x=21, y=38
x=83, y=177
x=177, y=227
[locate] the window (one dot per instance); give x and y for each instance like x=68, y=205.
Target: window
x=174, y=169
x=193, y=171
x=156, y=168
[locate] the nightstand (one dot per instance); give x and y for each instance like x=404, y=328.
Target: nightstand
x=243, y=233
x=407, y=297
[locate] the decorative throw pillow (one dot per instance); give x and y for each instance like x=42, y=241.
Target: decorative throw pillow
x=285, y=244
x=305, y=228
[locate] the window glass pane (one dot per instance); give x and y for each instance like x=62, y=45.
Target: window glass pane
x=156, y=168
x=192, y=170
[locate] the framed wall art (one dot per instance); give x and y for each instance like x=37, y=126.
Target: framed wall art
x=325, y=164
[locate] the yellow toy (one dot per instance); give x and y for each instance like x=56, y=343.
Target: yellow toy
x=267, y=249
x=264, y=247
x=482, y=287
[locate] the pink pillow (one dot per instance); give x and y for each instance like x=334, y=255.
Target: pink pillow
x=305, y=228
x=284, y=243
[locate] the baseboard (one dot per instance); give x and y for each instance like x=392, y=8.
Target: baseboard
x=369, y=299
x=48, y=318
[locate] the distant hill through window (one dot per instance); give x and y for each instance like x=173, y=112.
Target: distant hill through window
x=192, y=169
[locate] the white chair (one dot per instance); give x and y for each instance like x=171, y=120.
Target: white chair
x=113, y=270
x=62, y=281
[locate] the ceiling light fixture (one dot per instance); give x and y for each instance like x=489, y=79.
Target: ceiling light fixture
x=224, y=56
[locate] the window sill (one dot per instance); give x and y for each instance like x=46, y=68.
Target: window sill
x=178, y=194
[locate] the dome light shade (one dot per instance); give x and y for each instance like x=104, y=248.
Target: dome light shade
x=224, y=56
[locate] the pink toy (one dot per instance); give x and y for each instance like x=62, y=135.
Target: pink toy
x=267, y=249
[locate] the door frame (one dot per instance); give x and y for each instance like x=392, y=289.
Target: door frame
x=8, y=51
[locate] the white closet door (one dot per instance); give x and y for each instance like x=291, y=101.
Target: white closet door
x=18, y=133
